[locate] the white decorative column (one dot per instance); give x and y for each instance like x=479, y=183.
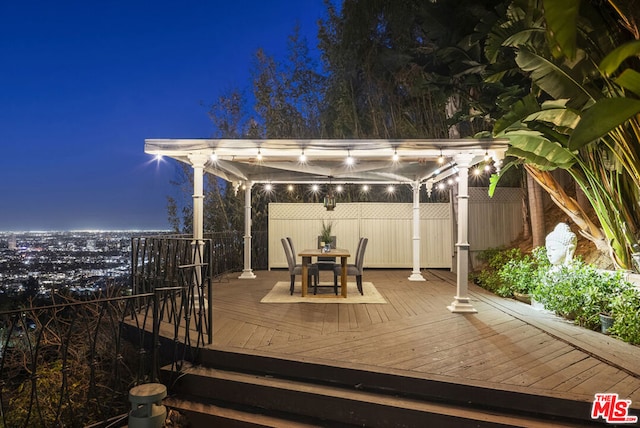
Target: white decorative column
x=198, y=161
x=416, y=275
x=247, y=272
x=462, y=303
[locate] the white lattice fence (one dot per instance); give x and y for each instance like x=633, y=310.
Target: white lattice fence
x=493, y=222
x=387, y=225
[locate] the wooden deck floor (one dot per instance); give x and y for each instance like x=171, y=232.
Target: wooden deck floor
x=507, y=345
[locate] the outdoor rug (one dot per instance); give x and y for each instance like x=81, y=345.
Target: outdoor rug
x=280, y=294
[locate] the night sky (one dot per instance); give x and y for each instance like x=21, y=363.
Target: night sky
x=83, y=83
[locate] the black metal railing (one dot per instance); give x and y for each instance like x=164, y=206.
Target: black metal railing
x=73, y=362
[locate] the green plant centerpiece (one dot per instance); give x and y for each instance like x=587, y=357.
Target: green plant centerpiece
x=325, y=234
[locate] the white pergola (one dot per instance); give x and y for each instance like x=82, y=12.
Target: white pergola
x=415, y=162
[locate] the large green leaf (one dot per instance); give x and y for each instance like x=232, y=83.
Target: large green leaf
x=495, y=178
x=562, y=117
x=562, y=18
x=536, y=149
x=554, y=79
x=630, y=79
x=519, y=111
x=602, y=117
x=613, y=60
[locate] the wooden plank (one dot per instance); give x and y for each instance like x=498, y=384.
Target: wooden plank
x=504, y=345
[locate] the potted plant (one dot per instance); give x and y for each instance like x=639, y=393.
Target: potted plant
x=325, y=234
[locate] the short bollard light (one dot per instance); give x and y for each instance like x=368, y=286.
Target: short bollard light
x=146, y=410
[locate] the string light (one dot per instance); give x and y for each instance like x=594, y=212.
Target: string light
x=395, y=156
x=349, y=160
x=486, y=156
x=365, y=188
x=315, y=188
x=339, y=188
x=303, y=157
x=290, y=188
x=268, y=187
x=441, y=158
x=391, y=189
x=259, y=155
x=214, y=157
x=476, y=171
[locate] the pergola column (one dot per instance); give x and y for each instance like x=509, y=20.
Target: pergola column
x=247, y=272
x=416, y=275
x=198, y=161
x=462, y=303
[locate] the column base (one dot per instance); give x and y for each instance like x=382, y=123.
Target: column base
x=247, y=274
x=462, y=306
x=416, y=276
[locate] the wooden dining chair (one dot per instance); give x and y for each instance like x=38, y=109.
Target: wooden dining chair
x=355, y=269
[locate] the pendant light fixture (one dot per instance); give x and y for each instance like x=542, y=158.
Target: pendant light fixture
x=329, y=198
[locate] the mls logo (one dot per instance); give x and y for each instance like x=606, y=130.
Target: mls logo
x=612, y=409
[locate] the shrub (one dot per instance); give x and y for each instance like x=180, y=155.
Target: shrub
x=522, y=275
x=495, y=258
x=625, y=308
x=577, y=291
x=580, y=292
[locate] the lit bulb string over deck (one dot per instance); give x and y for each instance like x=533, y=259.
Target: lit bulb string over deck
x=372, y=162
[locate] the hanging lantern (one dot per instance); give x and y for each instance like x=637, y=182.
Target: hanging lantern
x=329, y=198
x=329, y=201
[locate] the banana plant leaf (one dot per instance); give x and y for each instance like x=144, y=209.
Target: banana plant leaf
x=534, y=148
x=561, y=18
x=557, y=81
x=612, y=61
x=519, y=111
x=602, y=117
x=629, y=79
x=563, y=118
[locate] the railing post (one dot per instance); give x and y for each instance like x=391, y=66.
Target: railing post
x=155, y=358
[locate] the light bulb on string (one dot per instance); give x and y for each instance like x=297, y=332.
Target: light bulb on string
x=349, y=160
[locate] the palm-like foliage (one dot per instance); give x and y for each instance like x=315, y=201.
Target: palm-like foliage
x=591, y=127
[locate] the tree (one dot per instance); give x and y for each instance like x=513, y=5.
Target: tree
x=578, y=116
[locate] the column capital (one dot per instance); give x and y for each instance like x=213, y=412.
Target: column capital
x=200, y=158
x=463, y=159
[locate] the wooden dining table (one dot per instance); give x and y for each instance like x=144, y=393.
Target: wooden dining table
x=319, y=252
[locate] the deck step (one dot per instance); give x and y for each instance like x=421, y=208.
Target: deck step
x=205, y=414
x=260, y=400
